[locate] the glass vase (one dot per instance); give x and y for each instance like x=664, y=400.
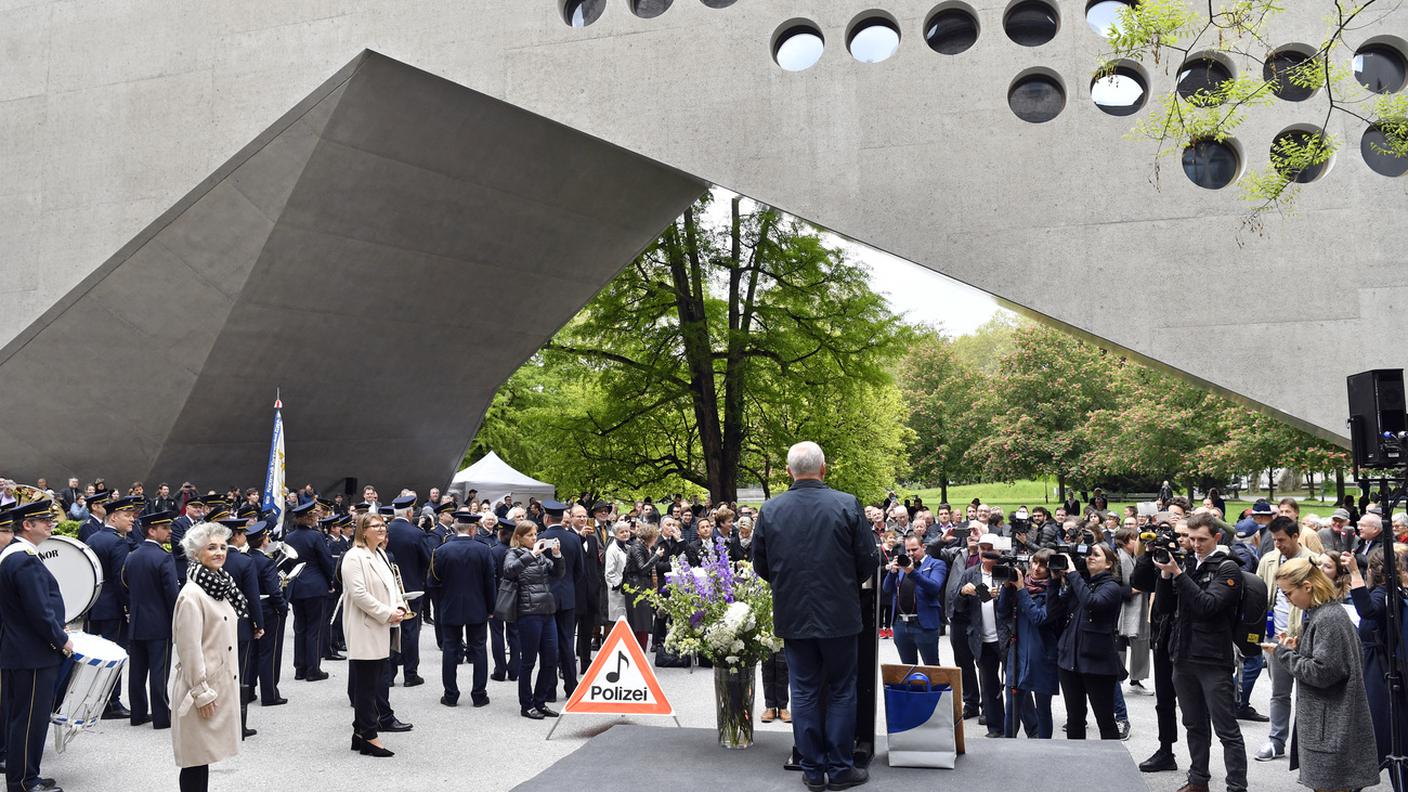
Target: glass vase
x=733, y=702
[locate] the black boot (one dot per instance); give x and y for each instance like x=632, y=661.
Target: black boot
x=1161, y=760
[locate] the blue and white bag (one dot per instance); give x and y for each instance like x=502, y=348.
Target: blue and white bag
x=919, y=723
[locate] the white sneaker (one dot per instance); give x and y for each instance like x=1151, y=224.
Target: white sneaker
x=1139, y=690
x=1269, y=752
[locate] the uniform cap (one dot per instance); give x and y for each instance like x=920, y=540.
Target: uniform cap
x=257, y=530
x=554, y=507
x=466, y=516
x=444, y=507
x=99, y=497
x=1262, y=508
x=27, y=511
x=158, y=518
x=303, y=508
x=404, y=502
x=128, y=502
x=234, y=524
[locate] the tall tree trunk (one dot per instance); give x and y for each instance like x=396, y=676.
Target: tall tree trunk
x=943, y=488
x=1271, y=483
x=1061, y=486
x=1339, y=485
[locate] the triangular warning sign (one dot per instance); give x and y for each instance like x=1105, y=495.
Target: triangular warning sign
x=619, y=681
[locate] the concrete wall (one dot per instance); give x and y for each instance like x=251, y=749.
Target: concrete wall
x=110, y=112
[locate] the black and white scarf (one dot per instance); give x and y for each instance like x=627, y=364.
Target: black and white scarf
x=220, y=585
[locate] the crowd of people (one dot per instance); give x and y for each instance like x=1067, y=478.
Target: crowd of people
x=1087, y=603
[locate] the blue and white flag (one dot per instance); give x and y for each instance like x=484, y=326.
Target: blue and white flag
x=275, y=489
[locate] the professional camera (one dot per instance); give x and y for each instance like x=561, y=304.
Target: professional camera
x=1021, y=521
x=1079, y=549
x=1164, y=546
x=902, y=561
x=1007, y=564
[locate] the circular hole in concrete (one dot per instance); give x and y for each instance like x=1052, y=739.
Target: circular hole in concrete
x=1211, y=164
x=649, y=9
x=580, y=13
x=1200, y=78
x=1374, y=148
x=798, y=47
x=1121, y=92
x=1281, y=68
x=1031, y=23
x=873, y=39
x=1103, y=16
x=1036, y=97
x=951, y=30
x=1285, y=146
x=1381, y=67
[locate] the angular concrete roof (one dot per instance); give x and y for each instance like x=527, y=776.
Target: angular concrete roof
x=387, y=254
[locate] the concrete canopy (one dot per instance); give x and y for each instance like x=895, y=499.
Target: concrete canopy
x=386, y=254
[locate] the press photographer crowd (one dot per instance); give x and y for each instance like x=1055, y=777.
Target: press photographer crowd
x=1165, y=599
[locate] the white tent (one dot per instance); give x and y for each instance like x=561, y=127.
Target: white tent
x=494, y=479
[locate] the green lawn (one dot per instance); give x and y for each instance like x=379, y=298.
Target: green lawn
x=1029, y=493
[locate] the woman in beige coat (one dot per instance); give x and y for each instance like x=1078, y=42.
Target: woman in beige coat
x=204, y=687
x=372, y=607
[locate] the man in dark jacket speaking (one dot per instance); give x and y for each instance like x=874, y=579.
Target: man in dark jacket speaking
x=813, y=545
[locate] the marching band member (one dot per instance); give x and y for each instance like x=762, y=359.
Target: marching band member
x=32, y=645
x=308, y=593
x=270, y=644
x=149, y=575
x=108, y=617
x=463, y=570
x=242, y=568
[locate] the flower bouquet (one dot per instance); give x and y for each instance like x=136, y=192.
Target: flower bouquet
x=721, y=611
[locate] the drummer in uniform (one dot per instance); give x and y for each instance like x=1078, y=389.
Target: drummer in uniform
x=108, y=617
x=149, y=575
x=503, y=635
x=243, y=569
x=97, y=515
x=308, y=593
x=271, y=602
x=195, y=513
x=32, y=645
x=439, y=534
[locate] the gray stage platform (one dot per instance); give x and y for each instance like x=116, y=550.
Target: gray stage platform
x=647, y=757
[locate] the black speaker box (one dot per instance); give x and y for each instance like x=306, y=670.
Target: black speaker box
x=1377, y=417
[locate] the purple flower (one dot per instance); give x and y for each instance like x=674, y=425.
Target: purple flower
x=696, y=618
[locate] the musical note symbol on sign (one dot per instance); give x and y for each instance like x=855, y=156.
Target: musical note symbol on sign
x=615, y=676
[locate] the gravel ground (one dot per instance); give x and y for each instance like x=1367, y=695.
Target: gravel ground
x=304, y=744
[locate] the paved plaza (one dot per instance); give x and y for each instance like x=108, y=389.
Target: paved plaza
x=303, y=745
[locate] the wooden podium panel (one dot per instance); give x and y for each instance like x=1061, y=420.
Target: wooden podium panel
x=939, y=675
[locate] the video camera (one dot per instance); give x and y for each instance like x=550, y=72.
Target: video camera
x=1007, y=564
x=1163, y=544
x=1078, y=550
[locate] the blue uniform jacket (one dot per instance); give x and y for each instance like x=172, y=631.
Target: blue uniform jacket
x=464, y=571
x=1088, y=642
x=89, y=527
x=928, y=591
x=565, y=587
x=316, y=578
x=242, y=568
x=269, y=585
x=500, y=552
x=813, y=545
x=150, y=579
x=32, y=631
x=179, y=526
x=1039, y=618
x=112, y=549
x=407, y=543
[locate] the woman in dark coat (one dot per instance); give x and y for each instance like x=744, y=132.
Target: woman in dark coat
x=1331, y=704
x=644, y=557
x=1371, y=602
x=1039, y=614
x=1089, y=662
x=533, y=565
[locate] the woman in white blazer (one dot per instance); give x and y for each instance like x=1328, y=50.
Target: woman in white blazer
x=204, y=686
x=372, y=607
x=615, y=571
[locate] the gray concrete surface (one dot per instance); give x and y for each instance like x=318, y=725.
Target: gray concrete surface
x=303, y=745
x=110, y=112
x=386, y=255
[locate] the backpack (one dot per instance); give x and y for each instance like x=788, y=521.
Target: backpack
x=1250, y=629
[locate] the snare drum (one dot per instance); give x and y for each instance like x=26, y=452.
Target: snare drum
x=86, y=680
x=78, y=571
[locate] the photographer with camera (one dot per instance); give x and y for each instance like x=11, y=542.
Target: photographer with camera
x=1038, y=614
x=987, y=635
x=958, y=557
x=914, y=585
x=1089, y=662
x=1205, y=604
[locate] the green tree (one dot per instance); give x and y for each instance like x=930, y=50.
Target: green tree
x=709, y=354
x=945, y=414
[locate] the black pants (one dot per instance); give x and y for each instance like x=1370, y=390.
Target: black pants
x=1165, y=698
x=410, y=649
x=1209, y=702
x=264, y=656
x=147, y=663
x=461, y=641
x=566, y=621
x=586, y=631
x=538, y=636
x=279, y=647
x=28, y=698
x=195, y=779
x=308, y=628
x=990, y=683
x=369, y=693
x=775, y=681
x=1076, y=688
x=963, y=658
x=503, y=635
x=113, y=630
x=329, y=641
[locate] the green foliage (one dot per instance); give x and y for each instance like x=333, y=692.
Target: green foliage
x=68, y=528
x=944, y=415
x=705, y=359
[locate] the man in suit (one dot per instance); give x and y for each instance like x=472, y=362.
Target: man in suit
x=108, y=617
x=32, y=645
x=463, y=570
x=407, y=544
x=97, y=516
x=149, y=575
x=70, y=494
x=163, y=502
x=591, y=588
x=960, y=557
x=332, y=526
x=916, y=591
x=308, y=593
x=813, y=545
x=565, y=590
x=271, y=602
x=987, y=634
x=195, y=513
x=503, y=636
x=244, y=570
x=1371, y=529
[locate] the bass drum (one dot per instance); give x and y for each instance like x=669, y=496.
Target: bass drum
x=78, y=571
